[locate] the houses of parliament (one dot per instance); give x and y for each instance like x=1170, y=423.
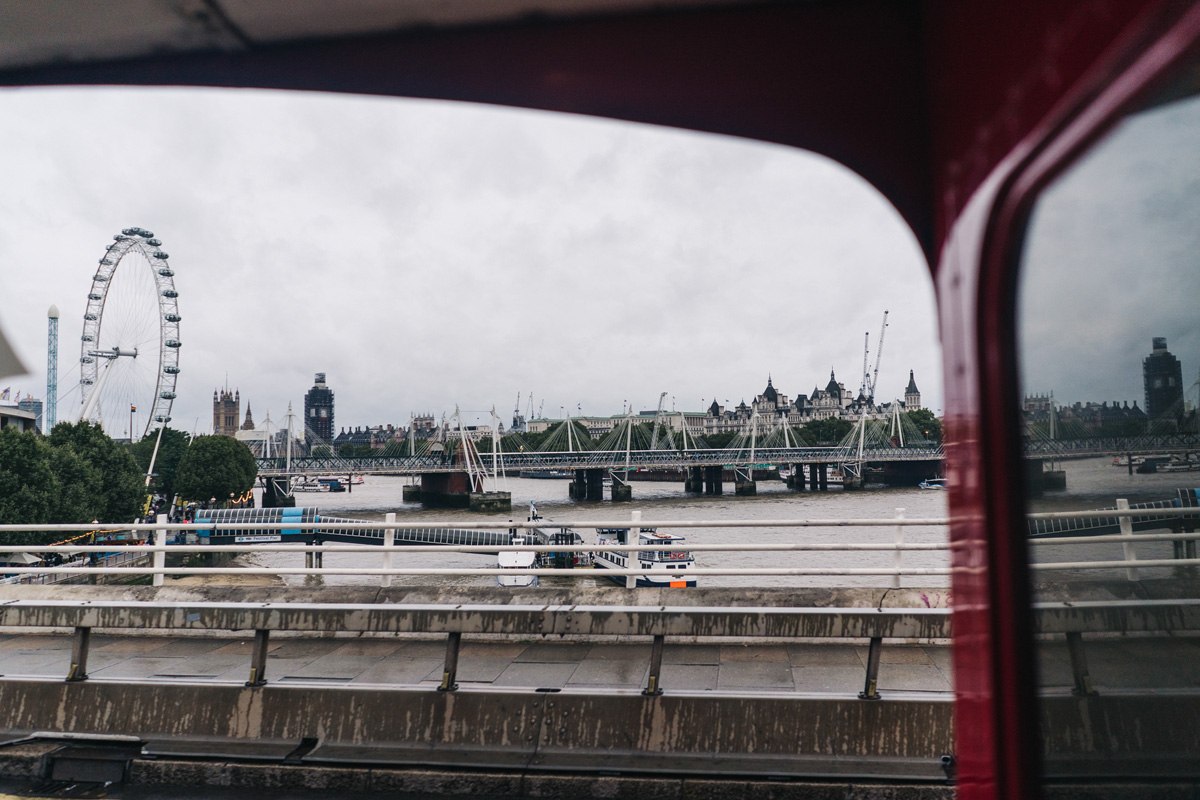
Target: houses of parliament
x=227, y=407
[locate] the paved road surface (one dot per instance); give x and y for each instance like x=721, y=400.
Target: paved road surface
x=833, y=667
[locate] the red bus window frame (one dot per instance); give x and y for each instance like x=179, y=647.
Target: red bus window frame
x=996, y=711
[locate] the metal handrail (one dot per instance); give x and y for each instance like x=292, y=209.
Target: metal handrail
x=613, y=523
x=159, y=549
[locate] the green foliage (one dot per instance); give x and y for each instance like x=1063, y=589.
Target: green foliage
x=929, y=425
x=215, y=467
x=166, y=466
x=322, y=451
x=28, y=485
x=122, y=484
x=81, y=494
x=76, y=475
x=720, y=441
x=355, y=451
x=555, y=439
x=828, y=431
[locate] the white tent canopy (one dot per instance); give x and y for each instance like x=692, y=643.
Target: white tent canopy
x=19, y=558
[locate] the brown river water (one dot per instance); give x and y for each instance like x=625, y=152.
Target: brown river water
x=1091, y=483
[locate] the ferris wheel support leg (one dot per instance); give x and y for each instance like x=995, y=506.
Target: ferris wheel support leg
x=154, y=455
x=89, y=406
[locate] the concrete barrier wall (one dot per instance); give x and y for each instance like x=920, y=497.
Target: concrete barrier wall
x=510, y=620
x=678, y=732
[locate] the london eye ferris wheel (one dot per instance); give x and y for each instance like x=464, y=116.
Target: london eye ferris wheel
x=129, y=349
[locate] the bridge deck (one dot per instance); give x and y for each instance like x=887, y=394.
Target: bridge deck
x=765, y=689
x=593, y=459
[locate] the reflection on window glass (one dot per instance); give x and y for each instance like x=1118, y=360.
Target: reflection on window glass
x=1109, y=345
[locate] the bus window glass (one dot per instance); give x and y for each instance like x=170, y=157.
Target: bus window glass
x=1109, y=348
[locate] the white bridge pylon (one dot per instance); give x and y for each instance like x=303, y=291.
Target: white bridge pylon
x=481, y=478
x=869, y=435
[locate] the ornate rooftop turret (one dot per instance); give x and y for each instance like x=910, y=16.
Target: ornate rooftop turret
x=769, y=394
x=912, y=395
x=832, y=387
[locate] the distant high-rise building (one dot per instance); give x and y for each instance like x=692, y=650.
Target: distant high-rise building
x=318, y=412
x=1162, y=375
x=30, y=404
x=226, y=412
x=912, y=395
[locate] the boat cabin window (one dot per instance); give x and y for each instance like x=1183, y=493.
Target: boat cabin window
x=1109, y=359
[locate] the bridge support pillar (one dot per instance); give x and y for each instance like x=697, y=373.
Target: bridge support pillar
x=410, y=493
x=445, y=490
x=693, y=482
x=743, y=482
x=1040, y=479
x=489, y=501
x=850, y=481
x=275, y=493
x=813, y=483
x=823, y=477
x=595, y=484
x=1055, y=479
x=713, y=480
x=577, y=489
x=622, y=492
x=746, y=488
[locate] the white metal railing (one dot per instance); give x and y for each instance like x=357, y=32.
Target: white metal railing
x=388, y=549
x=78, y=567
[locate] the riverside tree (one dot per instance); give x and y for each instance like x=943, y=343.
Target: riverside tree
x=215, y=467
x=166, y=465
x=924, y=421
x=77, y=476
x=122, y=484
x=827, y=431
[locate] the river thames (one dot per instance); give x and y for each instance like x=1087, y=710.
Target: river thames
x=661, y=501
x=1091, y=483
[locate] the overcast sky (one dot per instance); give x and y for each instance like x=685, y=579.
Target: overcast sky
x=1113, y=260
x=427, y=254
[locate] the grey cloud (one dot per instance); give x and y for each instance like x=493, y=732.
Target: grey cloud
x=424, y=254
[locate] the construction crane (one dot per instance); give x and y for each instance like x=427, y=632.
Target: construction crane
x=866, y=376
x=657, y=419
x=878, y=356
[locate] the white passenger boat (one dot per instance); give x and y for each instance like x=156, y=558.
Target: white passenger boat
x=671, y=558
x=933, y=483
x=517, y=560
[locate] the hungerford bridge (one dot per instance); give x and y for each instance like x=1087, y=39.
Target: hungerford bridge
x=459, y=467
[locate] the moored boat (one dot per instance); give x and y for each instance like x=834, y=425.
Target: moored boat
x=671, y=557
x=933, y=483
x=517, y=560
